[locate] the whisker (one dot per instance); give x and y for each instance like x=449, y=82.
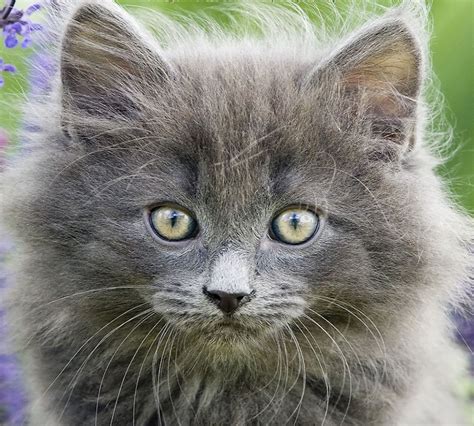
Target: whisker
x=301, y=367
x=343, y=338
x=344, y=359
x=378, y=340
x=87, y=292
x=130, y=365
x=82, y=366
x=323, y=370
x=275, y=393
x=82, y=347
x=155, y=373
x=169, y=379
x=150, y=314
x=141, y=369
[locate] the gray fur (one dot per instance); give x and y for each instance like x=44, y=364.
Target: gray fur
x=350, y=328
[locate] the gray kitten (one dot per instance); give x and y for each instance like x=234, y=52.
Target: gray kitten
x=235, y=230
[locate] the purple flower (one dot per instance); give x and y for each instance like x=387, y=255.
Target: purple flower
x=26, y=43
x=9, y=68
x=41, y=73
x=12, y=398
x=17, y=28
x=33, y=8
x=5, y=68
x=10, y=40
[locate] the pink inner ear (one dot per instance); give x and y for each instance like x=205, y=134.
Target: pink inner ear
x=384, y=86
x=396, y=67
x=387, y=81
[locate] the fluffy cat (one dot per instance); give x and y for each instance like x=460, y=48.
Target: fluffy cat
x=235, y=230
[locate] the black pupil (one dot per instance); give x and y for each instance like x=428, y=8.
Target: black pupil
x=294, y=221
x=174, y=218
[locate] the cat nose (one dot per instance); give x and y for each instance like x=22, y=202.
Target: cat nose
x=226, y=302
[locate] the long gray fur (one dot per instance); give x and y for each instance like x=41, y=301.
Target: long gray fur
x=113, y=326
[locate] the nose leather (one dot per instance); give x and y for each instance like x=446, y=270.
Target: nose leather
x=226, y=302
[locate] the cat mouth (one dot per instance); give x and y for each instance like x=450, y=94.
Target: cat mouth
x=233, y=326
x=228, y=328
x=237, y=331
x=230, y=322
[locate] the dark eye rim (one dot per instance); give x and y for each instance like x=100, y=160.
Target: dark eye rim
x=317, y=212
x=148, y=215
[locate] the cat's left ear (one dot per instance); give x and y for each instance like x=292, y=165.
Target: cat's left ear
x=109, y=67
x=378, y=75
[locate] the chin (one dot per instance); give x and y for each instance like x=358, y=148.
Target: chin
x=227, y=339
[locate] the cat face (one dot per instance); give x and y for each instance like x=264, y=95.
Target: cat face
x=234, y=195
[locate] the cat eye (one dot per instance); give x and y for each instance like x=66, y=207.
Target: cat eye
x=294, y=226
x=172, y=223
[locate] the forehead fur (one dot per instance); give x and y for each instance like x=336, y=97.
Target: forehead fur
x=234, y=104
x=275, y=36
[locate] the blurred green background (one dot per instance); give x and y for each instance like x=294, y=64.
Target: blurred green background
x=452, y=49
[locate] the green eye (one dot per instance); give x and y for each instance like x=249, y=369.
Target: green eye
x=294, y=226
x=172, y=223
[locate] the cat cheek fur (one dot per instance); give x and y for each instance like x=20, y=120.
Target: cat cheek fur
x=115, y=327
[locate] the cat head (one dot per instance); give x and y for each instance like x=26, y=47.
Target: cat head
x=240, y=191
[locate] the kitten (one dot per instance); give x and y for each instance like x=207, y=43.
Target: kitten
x=235, y=231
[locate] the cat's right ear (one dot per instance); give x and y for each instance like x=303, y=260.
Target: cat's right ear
x=108, y=68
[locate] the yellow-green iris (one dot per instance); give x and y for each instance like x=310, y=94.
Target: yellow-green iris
x=295, y=226
x=172, y=223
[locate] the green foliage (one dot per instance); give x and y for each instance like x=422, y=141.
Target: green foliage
x=453, y=61
x=452, y=56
